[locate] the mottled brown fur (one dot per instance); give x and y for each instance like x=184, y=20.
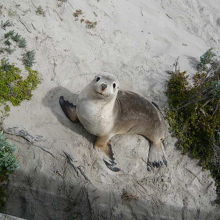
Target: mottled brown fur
x=136, y=115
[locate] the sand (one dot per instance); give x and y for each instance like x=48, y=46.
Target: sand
x=138, y=41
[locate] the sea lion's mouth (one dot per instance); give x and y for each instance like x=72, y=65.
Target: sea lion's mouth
x=103, y=95
x=100, y=93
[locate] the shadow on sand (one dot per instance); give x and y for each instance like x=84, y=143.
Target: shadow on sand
x=38, y=197
x=193, y=62
x=51, y=100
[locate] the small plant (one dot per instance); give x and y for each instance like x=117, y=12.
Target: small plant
x=16, y=37
x=206, y=60
x=12, y=13
x=40, y=11
x=60, y=2
x=8, y=50
x=7, y=43
x=9, y=34
x=5, y=24
x=77, y=13
x=194, y=114
x=28, y=58
x=22, y=43
x=90, y=24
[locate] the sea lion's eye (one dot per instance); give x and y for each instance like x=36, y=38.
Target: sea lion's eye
x=97, y=79
x=114, y=85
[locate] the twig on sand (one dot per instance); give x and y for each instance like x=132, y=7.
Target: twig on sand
x=19, y=19
x=33, y=26
x=128, y=196
x=169, y=16
x=78, y=168
x=29, y=141
x=195, y=176
x=61, y=19
x=54, y=69
x=24, y=134
x=89, y=202
x=210, y=184
x=176, y=65
x=70, y=161
x=142, y=186
x=44, y=150
x=142, y=12
x=83, y=174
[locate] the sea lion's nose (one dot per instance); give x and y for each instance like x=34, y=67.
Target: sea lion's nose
x=104, y=86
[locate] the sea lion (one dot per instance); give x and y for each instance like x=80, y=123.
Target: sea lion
x=105, y=111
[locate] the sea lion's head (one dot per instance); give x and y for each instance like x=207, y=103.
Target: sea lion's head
x=105, y=86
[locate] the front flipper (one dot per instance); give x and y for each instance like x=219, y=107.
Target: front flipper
x=69, y=109
x=104, y=148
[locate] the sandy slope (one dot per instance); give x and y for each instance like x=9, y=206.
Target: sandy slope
x=137, y=40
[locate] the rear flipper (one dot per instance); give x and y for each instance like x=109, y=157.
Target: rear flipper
x=69, y=109
x=156, y=156
x=112, y=166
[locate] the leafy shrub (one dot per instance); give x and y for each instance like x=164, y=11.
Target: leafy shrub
x=8, y=164
x=194, y=114
x=40, y=11
x=13, y=87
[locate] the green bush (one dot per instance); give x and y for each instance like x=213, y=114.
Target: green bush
x=194, y=115
x=8, y=164
x=8, y=161
x=13, y=87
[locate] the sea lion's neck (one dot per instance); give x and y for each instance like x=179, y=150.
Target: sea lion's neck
x=96, y=114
